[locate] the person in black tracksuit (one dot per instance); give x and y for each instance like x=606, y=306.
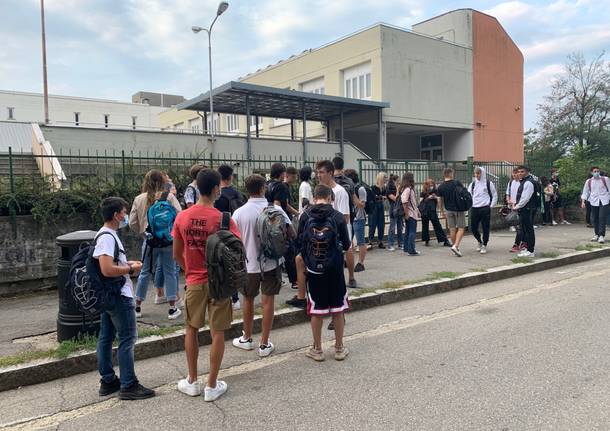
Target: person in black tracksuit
x=428, y=209
x=526, y=205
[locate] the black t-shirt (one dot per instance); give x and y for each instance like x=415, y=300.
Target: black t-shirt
x=278, y=191
x=447, y=191
x=429, y=204
x=228, y=194
x=379, y=193
x=391, y=190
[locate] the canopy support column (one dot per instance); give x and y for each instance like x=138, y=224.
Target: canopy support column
x=383, y=147
x=341, y=130
x=304, y=134
x=248, y=133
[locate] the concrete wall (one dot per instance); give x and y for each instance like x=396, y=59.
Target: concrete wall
x=458, y=145
x=29, y=108
x=498, y=92
x=426, y=81
x=455, y=26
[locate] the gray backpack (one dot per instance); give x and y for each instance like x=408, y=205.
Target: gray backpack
x=225, y=258
x=271, y=228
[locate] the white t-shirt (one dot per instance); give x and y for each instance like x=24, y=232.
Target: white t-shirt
x=105, y=247
x=245, y=218
x=341, y=202
x=305, y=193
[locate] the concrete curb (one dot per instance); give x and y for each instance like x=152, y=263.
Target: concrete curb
x=30, y=374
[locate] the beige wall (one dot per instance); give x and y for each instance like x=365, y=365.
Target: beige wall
x=455, y=26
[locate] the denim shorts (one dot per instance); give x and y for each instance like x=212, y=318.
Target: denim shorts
x=359, y=231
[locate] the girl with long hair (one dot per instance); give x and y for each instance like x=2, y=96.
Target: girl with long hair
x=396, y=223
x=428, y=210
x=377, y=217
x=409, y=203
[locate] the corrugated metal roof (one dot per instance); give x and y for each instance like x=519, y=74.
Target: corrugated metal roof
x=18, y=136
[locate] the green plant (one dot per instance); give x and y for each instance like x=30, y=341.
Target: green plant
x=523, y=260
x=478, y=270
x=549, y=254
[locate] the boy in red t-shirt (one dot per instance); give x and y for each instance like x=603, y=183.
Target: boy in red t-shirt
x=191, y=230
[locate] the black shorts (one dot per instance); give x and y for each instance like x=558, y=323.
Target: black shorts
x=326, y=293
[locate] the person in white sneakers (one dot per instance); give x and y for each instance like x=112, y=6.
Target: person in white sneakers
x=264, y=275
x=597, y=192
x=525, y=204
x=484, y=198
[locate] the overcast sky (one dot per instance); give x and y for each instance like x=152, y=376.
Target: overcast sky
x=113, y=48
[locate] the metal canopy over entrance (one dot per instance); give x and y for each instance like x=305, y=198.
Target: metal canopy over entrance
x=262, y=101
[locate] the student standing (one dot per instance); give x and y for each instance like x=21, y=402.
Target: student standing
x=456, y=219
x=349, y=186
x=409, y=203
x=395, y=237
x=263, y=276
x=305, y=193
x=359, y=219
x=484, y=198
x=191, y=230
x=191, y=194
x=558, y=203
x=511, y=199
x=596, y=191
x=326, y=291
x=525, y=205
x=121, y=320
x=547, y=190
x=377, y=217
x=428, y=211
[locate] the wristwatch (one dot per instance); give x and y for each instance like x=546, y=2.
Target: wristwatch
x=131, y=271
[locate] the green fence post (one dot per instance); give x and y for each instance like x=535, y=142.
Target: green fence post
x=11, y=206
x=360, y=170
x=123, y=184
x=470, y=166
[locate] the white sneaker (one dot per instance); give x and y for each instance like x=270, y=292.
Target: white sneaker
x=526, y=253
x=174, y=313
x=160, y=300
x=138, y=311
x=595, y=238
x=390, y=248
x=212, y=394
x=190, y=389
x=236, y=305
x=565, y=222
x=480, y=246
x=536, y=226
x=601, y=240
x=514, y=229
x=456, y=251
x=554, y=223
x=264, y=351
x=483, y=249
x=240, y=343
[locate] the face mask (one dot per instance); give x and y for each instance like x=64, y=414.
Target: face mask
x=595, y=174
x=123, y=223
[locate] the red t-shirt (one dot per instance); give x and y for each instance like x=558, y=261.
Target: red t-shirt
x=193, y=226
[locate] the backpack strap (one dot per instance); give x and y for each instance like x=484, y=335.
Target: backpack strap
x=164, y=196
x=491, y=198
x=117, y=249
x=225, y=221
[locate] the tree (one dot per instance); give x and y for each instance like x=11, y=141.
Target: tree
x=576, y=114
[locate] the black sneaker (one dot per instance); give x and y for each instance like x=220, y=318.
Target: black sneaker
x=136, y=392
x=359, y=267
x=447, y=244
x=298, y=303
x=109, y=388
x=381, y=246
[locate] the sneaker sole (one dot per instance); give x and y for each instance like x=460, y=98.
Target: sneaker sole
x=196, y=394
x=174, y=316
x=209, y=400
x=135, y=397
x=456, y=252
x=242, y=347
x=264, y=355
x=315, y=358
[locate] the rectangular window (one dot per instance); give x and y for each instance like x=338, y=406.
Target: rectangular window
x=232, y=123
x=76, y=118
x=368, y=85
x=194, y=125
x=358, y=81
x=253, y=123
x=11, y=113
x=348, y=89
x=216, y=119
x=355, y=88
x=361, y=86
x=133, y=122
x=431, y=147
x=315, y=86
x=106, y=118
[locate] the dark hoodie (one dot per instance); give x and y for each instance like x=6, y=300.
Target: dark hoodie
x=324, y=211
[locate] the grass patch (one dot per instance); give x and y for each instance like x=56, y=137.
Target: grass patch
x=478, y=270
x=522, y=260
x=549, y=254
x=589, y=247
x=355, y=293
x=442, y=274
x=28, y=356
x=66, y=348
x=161, y=332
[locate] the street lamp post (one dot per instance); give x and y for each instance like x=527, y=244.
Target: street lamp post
x=45, y=89
x=222, y=7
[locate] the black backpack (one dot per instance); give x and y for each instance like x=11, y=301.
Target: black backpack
x=349, y=187
x=369, y=205
x=91, y=290
x=225, y=258
x=463, y=198
x=320, y=244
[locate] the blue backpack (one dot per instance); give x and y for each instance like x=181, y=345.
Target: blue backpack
x=161, y=216
x=320, y=244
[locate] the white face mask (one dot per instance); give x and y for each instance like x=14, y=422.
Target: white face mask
x=125, y=222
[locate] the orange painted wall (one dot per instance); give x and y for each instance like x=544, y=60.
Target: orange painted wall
x=498, y=92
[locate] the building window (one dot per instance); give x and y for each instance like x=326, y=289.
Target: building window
x=194, y=125
x=178, y=126
x=232, y=123
x=431, y=147
x=253, y=123
x=11, y=113
x=216, y=120
x=106, y=119
x=358, y=81
x=315, y=86
x=77, y=118
x=134, y=120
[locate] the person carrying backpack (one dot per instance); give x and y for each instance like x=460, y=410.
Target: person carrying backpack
x=192, y=230
x=395, y=236
x=377, y=215
x=348, y=185
x=596, y=191
x=265, y=230
x=120, y=319
x=456, y=201
x=191, y=194
x=484, y=198
x=152, y=216
x=322, y=239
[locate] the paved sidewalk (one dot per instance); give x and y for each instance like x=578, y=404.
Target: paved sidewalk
x=36, y=314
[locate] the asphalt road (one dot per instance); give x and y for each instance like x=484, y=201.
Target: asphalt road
x=530, y=353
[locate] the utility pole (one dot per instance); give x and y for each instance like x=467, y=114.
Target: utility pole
x=44, y=66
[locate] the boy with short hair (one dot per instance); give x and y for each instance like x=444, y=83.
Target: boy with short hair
x=264, y=276
x=191, y=194
x=322, y=253
x=191, y=230
x=456, y=219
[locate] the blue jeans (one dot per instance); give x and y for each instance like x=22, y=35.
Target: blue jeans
x=359, y=232
x=163, y=258
x=377, y=221
x=121, y=321
x=160, y=278
x=409, y=245
x=395, y=230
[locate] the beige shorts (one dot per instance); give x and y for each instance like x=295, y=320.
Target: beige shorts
x=197, y=302
x=270, y=284
x=456, y=219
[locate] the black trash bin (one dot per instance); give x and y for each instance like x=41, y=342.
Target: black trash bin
x=71, y=323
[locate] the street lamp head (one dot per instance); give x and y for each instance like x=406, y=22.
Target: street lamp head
x=196, y=29
x=222, y=7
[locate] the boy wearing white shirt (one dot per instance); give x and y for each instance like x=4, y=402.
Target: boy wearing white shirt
x=270, y=281
x=597, y=192
x=305, y=192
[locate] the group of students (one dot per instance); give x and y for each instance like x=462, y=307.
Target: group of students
x=318, y=245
